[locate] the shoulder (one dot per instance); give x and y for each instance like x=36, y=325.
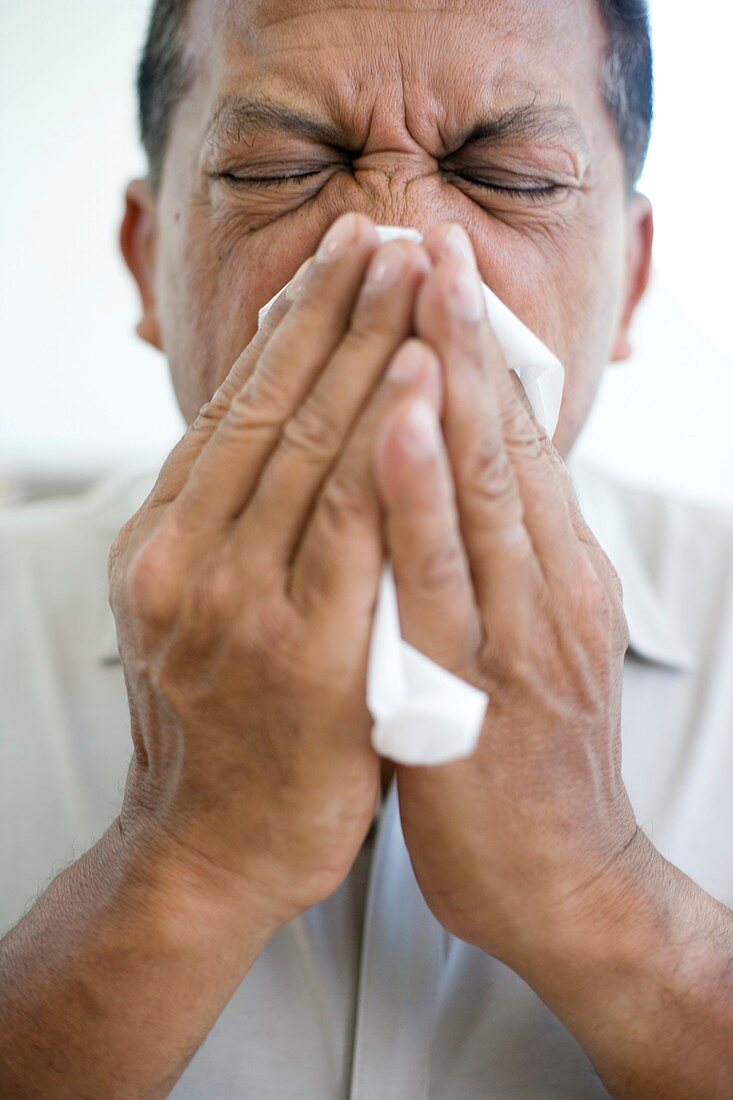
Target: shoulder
x=662, y=524
x=63, y=710
x=683, y=549
x=99, y=509
x=37, y=534
x=53, y=555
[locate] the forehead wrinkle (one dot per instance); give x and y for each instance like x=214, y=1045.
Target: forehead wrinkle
x=238, y=118
x=365, y=8
x=347, y=23
x=342, y=108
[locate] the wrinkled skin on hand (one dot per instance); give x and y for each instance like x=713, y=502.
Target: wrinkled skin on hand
x=491, y=117
x=500, y=581
x=244, y=589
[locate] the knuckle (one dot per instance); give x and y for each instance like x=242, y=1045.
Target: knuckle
x=581, y=528
x=117, y=551
x=121, y=550
x=615, y=581
x=622, y=635
x=616, y=601
x=490, y=481
x=365, y=328
x=252, y=409
x=307, y=315
x=342, y=500
x=609, y=580
x=500, y=664
x=593, y=600
x=247, y=402
x=521, y=433
x=315, y=585
x=210, y=414
x=213, y=411
x=214, y=597
x=313, y=431
x=153, y=585
x=272, y=632
x=439, y=569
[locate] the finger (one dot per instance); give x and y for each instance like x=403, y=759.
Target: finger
x=552, y=518
x=449, y=241
x=336, y=548
x=451, y=315
x=177, y=467
x=575, y=566
x=229, y=466
x=551, y=510
x=437, y=608
x=313, y=438
x=556, y=526
x=472, y=346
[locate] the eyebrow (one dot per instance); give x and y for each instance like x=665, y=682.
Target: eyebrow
x=528, y=121
x=238, y=118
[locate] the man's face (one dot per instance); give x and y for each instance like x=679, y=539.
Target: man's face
x=485, y=112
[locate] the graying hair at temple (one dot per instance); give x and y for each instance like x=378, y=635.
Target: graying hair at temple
x=627, y=81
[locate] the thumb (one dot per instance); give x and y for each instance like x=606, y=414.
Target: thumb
x=415, y=486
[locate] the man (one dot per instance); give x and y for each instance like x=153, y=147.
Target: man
x=517, y=924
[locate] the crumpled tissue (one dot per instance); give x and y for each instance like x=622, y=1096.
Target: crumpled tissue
x=423, y=714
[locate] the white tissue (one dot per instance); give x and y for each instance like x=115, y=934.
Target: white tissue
x=422, y=713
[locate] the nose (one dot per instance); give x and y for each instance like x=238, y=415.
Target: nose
x=395, y=164
x=402, y=189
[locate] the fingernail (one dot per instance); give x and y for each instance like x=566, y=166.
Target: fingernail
x=456, y=244
x=342, y=233
x=384, y=270
x=406, y=365
x=467, y=297
x=420, y=435
x=296, y=283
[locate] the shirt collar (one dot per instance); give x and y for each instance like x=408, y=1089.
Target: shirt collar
x=654, y=634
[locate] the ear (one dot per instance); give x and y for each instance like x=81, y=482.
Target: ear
x=138, y=238
x=640, y=229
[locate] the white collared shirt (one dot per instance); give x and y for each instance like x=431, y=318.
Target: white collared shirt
x=365, y=996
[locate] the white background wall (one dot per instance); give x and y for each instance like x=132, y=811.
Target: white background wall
x=79, y=394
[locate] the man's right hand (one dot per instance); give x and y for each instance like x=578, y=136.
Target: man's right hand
x=244, y=590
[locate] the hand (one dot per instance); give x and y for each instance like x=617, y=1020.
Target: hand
x=243, y=591
x=500, y=581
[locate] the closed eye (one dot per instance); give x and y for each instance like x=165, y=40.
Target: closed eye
x=533, y=193
x=268, y=181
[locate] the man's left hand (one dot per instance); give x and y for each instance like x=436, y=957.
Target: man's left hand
x=500, y=581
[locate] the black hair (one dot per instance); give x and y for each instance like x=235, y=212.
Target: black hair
x=627, y=80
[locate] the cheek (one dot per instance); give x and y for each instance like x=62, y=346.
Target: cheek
x=566, y=286
x=211, y=287
x=592, y=316
x=561, y=277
